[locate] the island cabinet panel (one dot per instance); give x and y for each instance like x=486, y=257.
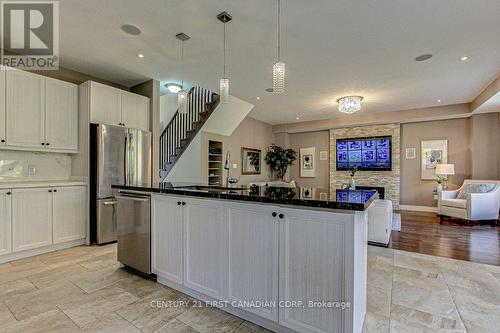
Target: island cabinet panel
x=312, y=249
x=69, y=213
x=253, y=258
x=167, y=237
x=205, y=247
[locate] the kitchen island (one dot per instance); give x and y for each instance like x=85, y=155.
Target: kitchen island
x=288, y=259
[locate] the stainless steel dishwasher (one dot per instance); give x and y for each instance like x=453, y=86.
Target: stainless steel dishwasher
x=134, y=230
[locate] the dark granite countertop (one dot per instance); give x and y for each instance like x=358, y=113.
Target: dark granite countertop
x=356, y=200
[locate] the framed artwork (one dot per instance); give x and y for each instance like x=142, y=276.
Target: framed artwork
x=250, y=161
x=411, y=153
x=306, y=192
x=433, y=152
x=307, y=163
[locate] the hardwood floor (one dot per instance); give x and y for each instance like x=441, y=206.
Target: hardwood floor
x=422, y=233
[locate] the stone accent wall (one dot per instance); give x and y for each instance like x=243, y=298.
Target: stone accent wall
x=390, y=180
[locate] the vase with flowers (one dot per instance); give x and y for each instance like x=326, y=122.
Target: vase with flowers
x=352, y=182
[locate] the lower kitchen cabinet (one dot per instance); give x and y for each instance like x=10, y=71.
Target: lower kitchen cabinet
x=205, y=247
x=31, y=218
x=5, y=222
x=167, y=216
x=253, y=256
x=69, y=213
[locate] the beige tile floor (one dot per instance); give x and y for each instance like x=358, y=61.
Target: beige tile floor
x=84, y=290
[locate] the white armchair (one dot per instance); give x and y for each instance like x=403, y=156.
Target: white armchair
x=471, y=206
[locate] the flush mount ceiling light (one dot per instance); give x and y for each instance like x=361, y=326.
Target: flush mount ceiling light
x=174, y=88
x=279, y=68
x=350, y=104
x=182, y=95
x=131, y=29
x=423, y=57
x=224, y=17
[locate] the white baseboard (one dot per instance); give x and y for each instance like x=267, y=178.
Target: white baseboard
x=34, y=252
x=418, y=208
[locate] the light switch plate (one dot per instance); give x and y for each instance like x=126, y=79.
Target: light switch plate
x=235, y=166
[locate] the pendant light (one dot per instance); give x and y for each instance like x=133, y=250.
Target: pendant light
x=224, y=17
x=182, y=95
x=279, y=67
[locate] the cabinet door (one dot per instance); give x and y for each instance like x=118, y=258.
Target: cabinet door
x=31, y=218
x=5, y=222
x=253, y=256
x=312, y=270
x=168, y=235
x=69, y=213
x=61, y=114
x=2, y=105
x=105, y=104
x=25, y=108
x=135, y=111
x=205, y=247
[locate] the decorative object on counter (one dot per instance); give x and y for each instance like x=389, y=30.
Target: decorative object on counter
x=323, y=155
x=442, y=173
x=224, y=17
x=433, y=152
x=352, y=182
x=280, y=192
x=307, y=164
x=279, y=159
x=250, y=161
x=411, y=153
x=182, y=95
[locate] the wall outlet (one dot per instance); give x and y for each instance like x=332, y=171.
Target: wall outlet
x=31, y=169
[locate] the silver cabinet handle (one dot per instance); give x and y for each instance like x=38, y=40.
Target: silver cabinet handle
x=132, y=198
x=109, y=203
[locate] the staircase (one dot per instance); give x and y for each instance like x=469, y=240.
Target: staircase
x=182, y=129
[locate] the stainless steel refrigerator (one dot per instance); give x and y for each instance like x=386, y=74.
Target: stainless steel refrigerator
x=120, y=156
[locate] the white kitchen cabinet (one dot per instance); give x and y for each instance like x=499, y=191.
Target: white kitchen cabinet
x=61, y=114
x=25, y=109
x=31, y=218
x=312, y=269
x=105, y=104
x=253, y=256
x=69, y=213
x=2, y=105
x=135, y=111
x=167, y=242
x=5, y=222
x=205, y=247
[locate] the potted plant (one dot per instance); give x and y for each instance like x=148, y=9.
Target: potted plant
x=279, y=159
x=352, y=182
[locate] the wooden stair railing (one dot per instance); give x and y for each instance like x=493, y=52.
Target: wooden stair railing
x=182, y=128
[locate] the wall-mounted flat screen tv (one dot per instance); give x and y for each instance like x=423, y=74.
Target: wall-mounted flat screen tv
x=368, y=154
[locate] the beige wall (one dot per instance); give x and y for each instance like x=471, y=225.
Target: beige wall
x=484, y=146
x=319, y=140
x=415, y=191
x=251, y=133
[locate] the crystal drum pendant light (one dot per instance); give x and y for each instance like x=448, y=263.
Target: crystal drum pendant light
x=279, y=67
x=224, y=17
x=350, y=104
x=182, y=95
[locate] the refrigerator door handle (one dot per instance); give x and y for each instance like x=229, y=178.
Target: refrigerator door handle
x=127, y=153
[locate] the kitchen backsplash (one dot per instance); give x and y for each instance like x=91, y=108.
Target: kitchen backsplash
x=31, y=166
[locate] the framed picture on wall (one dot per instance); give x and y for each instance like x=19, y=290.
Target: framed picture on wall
x=307, y=163
x=250, y=161
x=433, y=152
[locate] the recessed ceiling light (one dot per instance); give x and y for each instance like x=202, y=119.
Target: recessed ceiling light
x=140, y=55
x=297, y=118
x=258, y=98
x=464, y=58
x=423, y=57
x=174, y=88
x=131, y=29
x=439, y=101
x=270, y=90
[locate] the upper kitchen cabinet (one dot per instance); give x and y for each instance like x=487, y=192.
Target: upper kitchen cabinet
x=105, y=104
x=37, y=113
x=2, y=105
x=112, y=106
x=135, y=111
x=25, y=109
x=61, y=105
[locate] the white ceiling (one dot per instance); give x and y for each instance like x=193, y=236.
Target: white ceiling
x=331, y=48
